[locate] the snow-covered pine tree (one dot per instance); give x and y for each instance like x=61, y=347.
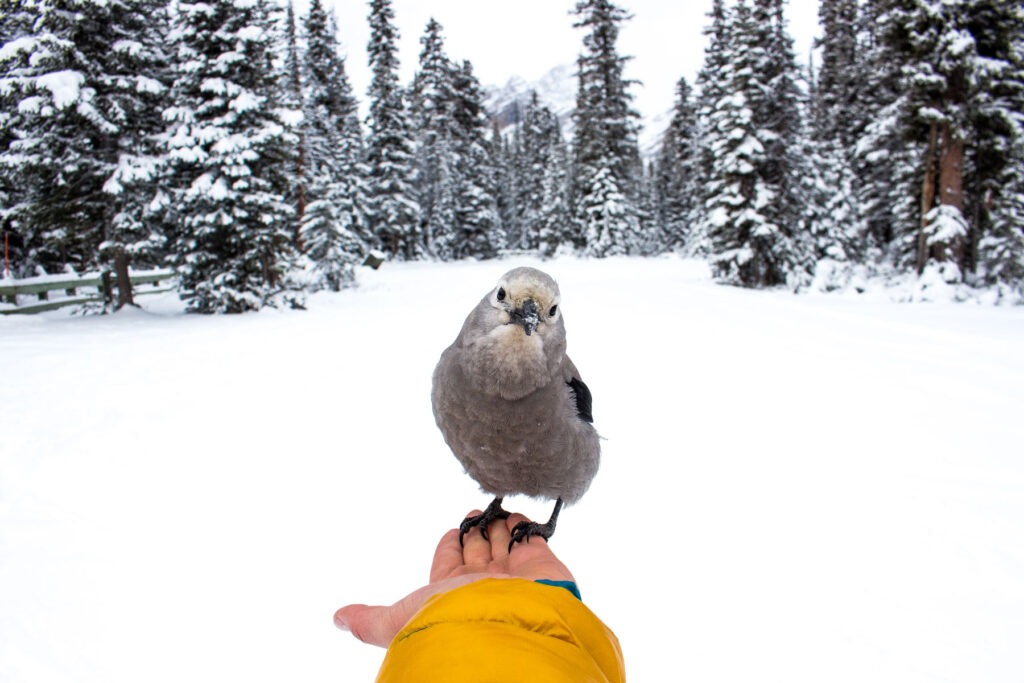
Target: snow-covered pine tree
x=733, y=186
x=504, y=153
x=538, y=136
x=16, y=18
x=837, y=83
x=434, y=179
x=607, y=161
x=752, y=214
x=292, y=97
x=556, y=215
x=676, y=172
x=478, y=232
x=936, y=51
x=711, y=83
x=82, y=80
x=333, y=228
x=777, y=104
x=392, y=211
x=229, y=148
x=650, y=212
x=881, y=154
x=834, y=122
x=15, y=22
x=994, y=164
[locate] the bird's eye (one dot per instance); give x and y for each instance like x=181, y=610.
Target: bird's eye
x=554, y=309
x=501, y=293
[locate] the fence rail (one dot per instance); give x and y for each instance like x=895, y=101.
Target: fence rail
x=41, y=287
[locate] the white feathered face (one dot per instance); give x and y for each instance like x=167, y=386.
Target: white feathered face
x=528, y=298
x=514, y=340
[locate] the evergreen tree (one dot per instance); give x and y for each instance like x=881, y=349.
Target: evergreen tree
x=432, y=103
x=956, y=101
x=230, y=149
x=734, y=188
x=478, y=231
x=834, y=128
x=881, y=155
x=838, y=81
x=777, y=109
x=676, y=172
x=753, y=208
x=505, y=162
x=539, y=135
x=711, y=84
x=292, y=97
x=16, y=18
x=607, y=163
x=333, y=229
x=80, y=83
x=925, y=36
x=454, y=178
x=994, y=166
x=391, y=211
x=651, y=213
x=555, y=225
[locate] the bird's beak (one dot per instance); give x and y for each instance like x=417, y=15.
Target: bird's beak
x=526, y=316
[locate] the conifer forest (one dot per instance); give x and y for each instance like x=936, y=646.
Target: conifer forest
x=223, y=138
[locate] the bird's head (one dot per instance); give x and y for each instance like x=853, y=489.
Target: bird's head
x=528, y=299
x=515, y=336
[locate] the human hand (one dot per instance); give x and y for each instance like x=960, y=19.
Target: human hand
x=455, y=565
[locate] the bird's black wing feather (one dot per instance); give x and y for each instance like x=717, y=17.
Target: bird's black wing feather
x=584, y=401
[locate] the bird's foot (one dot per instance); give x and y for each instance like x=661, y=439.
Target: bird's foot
x=483, y=520
x=524, y=531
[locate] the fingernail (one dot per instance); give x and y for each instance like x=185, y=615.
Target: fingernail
x=340, y=622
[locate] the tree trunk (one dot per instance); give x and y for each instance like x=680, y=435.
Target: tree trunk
x=927, y=197
x=124, y=282
x=951, y=187
x=300, y=202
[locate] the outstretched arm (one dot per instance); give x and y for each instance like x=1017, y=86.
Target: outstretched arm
x=456, y=566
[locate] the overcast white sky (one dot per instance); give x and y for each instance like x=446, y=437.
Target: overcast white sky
x=529, y=37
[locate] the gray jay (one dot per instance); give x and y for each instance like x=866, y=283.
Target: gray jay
x=512, y=406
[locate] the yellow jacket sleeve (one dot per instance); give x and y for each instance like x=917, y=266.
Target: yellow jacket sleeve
x=497, y=630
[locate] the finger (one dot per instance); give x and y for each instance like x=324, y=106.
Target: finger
x=379, y=624
x=476, y=550
x=371, y=624
x=511, y=523
x=499, y=537
x=447, y=557
x=513, y=519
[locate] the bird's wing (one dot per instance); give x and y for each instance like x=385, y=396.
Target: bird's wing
x=580, y=391
x=584, y=401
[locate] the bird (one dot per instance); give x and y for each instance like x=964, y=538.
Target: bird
x=511, y=404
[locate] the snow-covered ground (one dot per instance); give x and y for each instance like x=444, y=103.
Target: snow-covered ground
x=813, y=488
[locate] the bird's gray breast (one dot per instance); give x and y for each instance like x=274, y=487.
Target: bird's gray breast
x=534, y=444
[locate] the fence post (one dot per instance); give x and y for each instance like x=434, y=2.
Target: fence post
x=124, y=282
x=107, y=288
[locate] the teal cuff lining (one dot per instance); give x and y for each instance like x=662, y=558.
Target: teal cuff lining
x=567, y=585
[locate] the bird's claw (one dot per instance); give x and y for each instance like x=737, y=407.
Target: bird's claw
x=524, y=531
x=483, y=520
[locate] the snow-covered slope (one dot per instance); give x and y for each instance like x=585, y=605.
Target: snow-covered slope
x=557, y=90
x=797, y=489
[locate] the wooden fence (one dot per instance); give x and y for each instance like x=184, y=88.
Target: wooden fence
x=41, y=287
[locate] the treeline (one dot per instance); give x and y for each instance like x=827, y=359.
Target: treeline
x=223, y=138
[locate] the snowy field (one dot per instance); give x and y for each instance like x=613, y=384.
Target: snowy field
x=793, y=488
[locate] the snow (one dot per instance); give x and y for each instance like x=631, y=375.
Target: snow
x=64, y=86
x=945, y=224
x=815, y=487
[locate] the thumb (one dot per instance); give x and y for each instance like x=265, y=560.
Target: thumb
x=379, y=624
x=373, y=624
